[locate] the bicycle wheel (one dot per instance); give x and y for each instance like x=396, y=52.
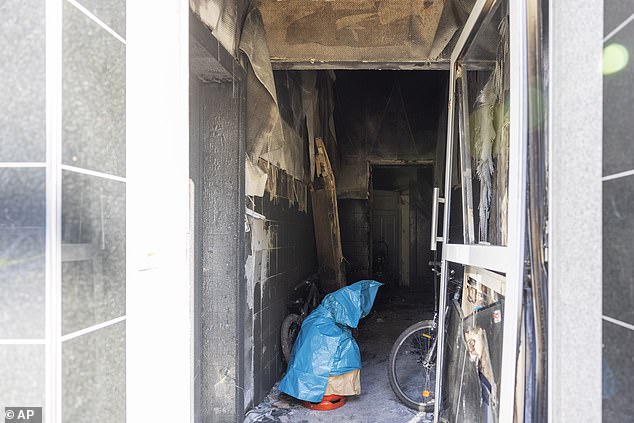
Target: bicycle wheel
x=412, y=379
x=288, y=334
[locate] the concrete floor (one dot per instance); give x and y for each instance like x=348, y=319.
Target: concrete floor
x=393, y=312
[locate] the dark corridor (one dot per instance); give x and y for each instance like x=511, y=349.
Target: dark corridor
x=390, y=128
x=385, y=142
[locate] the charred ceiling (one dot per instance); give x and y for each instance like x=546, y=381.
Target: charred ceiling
x=305, y=34
x=344, y=34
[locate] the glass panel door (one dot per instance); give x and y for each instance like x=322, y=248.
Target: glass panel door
x=483, y=230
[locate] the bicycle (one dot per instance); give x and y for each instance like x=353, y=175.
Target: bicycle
x=412, y=362
x=300, y=309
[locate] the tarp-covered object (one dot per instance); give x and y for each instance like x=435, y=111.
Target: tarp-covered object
x=325, y=346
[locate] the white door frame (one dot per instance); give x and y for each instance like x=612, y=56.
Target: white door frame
x=159, y=359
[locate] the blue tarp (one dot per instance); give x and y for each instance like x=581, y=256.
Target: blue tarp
x=325, y=346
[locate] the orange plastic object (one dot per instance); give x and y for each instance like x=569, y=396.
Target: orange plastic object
x=328, y=402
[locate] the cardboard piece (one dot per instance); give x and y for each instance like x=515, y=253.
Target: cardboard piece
x=346, y=384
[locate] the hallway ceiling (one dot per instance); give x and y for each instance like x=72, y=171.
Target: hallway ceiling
x=361, y=33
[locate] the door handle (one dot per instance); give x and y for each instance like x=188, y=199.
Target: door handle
x=435, y=239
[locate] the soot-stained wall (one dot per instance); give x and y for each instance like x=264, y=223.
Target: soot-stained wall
x=281, y=253
x=216, y=153
x=280, y=244
x=354, y=221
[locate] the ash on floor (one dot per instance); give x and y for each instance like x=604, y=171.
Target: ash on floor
x=393, y=312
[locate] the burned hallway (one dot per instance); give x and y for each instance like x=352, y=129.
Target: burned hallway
x=341, y=172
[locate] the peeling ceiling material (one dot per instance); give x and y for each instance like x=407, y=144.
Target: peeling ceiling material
x=264, y=126
x=274, y=135
x=359, y=30
x=281, y=185
x=286, y=111
x=221, y=16
x=290, y=154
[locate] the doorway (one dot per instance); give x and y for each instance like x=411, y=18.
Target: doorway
x=401, y=197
